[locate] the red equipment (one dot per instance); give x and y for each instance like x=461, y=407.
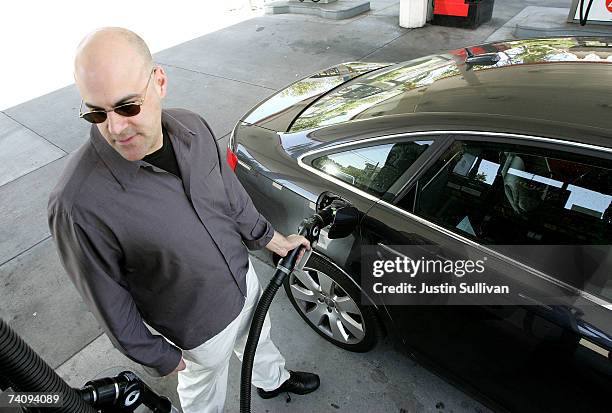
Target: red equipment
x=462, y=13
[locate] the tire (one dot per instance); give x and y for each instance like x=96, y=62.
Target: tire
x=330, y=304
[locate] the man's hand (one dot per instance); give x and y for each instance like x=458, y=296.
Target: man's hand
x=181, y=366
x=281, y=245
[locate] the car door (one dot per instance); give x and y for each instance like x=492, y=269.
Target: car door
x=539, y=211
x=363, y=172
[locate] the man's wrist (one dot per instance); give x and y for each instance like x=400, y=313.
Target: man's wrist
x=277, y=243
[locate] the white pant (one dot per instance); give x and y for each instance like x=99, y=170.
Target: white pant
x=202, y=385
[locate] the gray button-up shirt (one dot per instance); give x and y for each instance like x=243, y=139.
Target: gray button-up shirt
x=141, y=244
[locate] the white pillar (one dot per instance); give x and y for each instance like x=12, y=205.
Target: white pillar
x=413, y=13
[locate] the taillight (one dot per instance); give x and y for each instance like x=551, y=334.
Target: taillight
x=231, y=158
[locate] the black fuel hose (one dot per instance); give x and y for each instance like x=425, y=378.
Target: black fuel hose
x=27, y=372
x=284, y=267
x=310, y=229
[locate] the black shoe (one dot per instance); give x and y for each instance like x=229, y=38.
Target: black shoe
x=299, y=382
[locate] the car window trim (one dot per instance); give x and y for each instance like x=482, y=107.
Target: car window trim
x=479, y=136
x=453, y=135
x=363, y=143
x=309, y=157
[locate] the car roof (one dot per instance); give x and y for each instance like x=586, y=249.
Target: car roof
x=555, y=81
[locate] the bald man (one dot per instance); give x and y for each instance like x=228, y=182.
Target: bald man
x=152, y=227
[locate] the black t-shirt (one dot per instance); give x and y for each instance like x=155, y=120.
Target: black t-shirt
x=164, y=157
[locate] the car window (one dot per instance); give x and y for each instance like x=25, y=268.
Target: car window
x=504, y=194
x=372, y=169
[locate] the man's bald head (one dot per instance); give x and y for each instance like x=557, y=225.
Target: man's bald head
x=110, y=44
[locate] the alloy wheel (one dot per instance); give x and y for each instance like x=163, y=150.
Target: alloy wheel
x=327, y=305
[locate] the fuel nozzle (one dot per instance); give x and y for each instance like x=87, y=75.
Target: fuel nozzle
x=328, y=207
x=328, y=213
x=331, y=210
x=123, y=394
x=338, y=213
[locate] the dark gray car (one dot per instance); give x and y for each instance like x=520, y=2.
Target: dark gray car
x=501, y=150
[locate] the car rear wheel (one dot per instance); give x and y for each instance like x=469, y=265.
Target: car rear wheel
x=329, y=302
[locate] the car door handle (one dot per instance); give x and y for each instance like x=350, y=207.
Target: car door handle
x=534, y=301
x=431, y=249
x=392, y=251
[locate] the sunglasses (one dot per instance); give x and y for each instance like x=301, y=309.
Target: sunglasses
x=126, y=109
